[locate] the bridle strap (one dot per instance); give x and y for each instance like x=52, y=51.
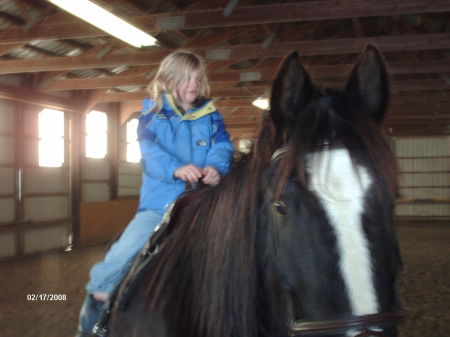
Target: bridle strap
x=365, y=322
x=279, y=153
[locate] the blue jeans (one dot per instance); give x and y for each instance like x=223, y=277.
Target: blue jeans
x=107, y=273
x=89, y=314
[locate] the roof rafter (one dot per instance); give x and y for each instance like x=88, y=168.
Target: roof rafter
x=330, y=71
x=239, y=52
x=243, y=15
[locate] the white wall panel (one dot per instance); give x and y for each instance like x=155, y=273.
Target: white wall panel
x=46, y=180
x=7, y=210
x=128, y=192
x=6, y=150
x=7, y=180
x=428, y=210
x=31, y=142
x=31, y=152
x=129, y=179
x=426, y=179
x=431, y=178
x=425, y=193
x=95, y=169
x=91, y=192
x=423, y=164
x=407, y=147
x=7, y=244
x=44, y=239
x=130, y=168
x=7, y=117
x=31, y=122
x=46, y=208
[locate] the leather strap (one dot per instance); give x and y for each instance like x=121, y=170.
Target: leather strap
x=380, y=320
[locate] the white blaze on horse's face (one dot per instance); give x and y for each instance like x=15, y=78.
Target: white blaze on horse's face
x=341, y=186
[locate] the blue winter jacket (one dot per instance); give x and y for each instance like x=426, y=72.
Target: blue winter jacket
x=170, y=139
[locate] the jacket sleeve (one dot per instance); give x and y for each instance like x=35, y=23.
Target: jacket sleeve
x=221, y=151
x=156, y=162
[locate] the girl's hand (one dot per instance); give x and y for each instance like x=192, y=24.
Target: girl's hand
x=211, y=176
x=188, y=173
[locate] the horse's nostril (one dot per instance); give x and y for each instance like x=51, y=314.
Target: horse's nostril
x=280, y=207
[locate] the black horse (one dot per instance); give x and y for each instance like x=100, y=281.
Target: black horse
x=298, y=239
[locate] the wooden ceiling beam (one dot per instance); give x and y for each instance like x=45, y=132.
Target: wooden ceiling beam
x=234, y=103
x=420, y=85
x=217, y=37
x=398, y=98
x=6, y=48
x=255, y=118
x=298, y=32
x=23, y=11
x=397, y=86
x=242, y=112
x=242, y=134
x=242, y=15
x=33, y=97
x=424, y=97
x=420, y=107
x=122, y=96
x=220, y=92
x=11, y=19
x=316, y=72
x=240, y=52
x=406, y=118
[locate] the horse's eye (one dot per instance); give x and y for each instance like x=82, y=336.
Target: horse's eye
x=280, y=207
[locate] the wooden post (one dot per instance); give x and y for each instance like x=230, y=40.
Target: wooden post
x=18, y=173
x=76, y=128
x=113, y=149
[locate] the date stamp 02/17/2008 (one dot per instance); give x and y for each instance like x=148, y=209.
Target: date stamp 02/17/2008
x=46, y=297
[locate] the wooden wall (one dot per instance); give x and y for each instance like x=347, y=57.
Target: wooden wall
x=101, y=222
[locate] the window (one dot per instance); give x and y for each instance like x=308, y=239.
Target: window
x=51, y=138
x=96, y=134
x=133, y=153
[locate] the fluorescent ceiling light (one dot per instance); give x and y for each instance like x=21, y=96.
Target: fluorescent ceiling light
x=106, y=21
x=262, y=103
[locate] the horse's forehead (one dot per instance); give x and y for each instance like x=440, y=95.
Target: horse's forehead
x=329, y=97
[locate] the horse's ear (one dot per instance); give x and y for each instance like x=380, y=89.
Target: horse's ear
x=291, y=91
x=368, y=84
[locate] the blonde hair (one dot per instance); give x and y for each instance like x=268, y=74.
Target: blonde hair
x=172, y=72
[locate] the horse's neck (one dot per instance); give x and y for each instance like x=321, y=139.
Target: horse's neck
x=341, y=187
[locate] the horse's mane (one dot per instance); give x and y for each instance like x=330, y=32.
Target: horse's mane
x=213, y=235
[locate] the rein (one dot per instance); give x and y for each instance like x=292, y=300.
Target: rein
x=364, y=323
x=279, y=153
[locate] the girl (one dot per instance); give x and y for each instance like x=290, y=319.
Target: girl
x=183, y=141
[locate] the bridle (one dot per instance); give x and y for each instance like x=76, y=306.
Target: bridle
x=362, y=324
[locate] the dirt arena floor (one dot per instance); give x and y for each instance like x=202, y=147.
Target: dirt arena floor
x=424, y=286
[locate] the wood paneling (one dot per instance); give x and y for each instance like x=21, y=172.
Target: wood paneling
x=100, y=222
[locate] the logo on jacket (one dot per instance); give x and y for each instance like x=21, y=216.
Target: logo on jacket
x=201, y=143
